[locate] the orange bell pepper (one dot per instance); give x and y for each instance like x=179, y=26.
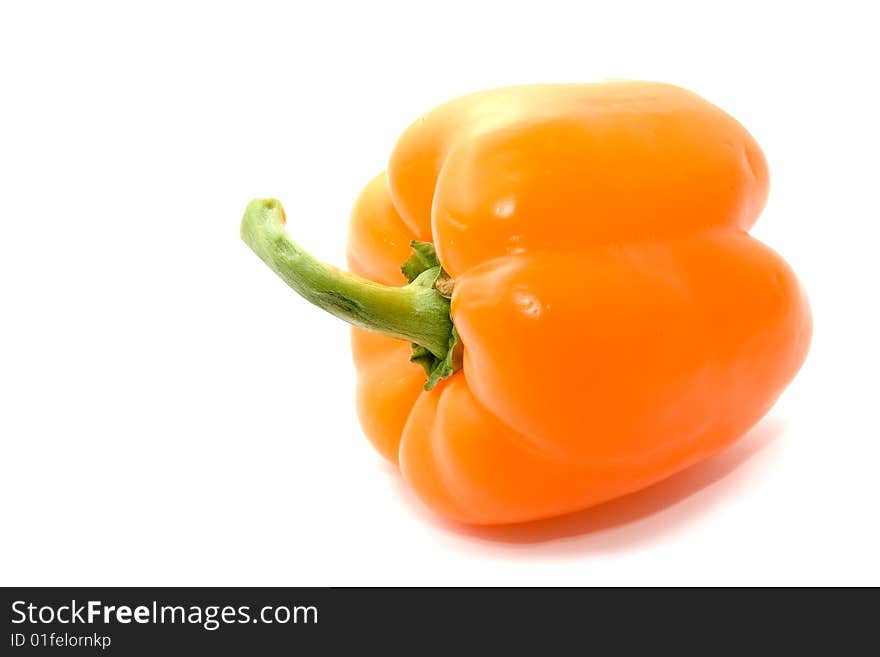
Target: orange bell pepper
x=611, y=320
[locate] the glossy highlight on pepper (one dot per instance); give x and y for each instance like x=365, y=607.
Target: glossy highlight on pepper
x=582, y=312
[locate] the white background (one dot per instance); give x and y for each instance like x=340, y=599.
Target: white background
x=170, y=413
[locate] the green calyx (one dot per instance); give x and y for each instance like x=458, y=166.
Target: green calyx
x=423, y=264
x=418, y=312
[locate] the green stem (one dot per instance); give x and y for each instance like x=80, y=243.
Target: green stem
x=415, y=312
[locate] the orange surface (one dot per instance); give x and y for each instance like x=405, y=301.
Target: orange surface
x=618, y=322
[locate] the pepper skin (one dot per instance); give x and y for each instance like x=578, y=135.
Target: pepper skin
x=618, y=322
